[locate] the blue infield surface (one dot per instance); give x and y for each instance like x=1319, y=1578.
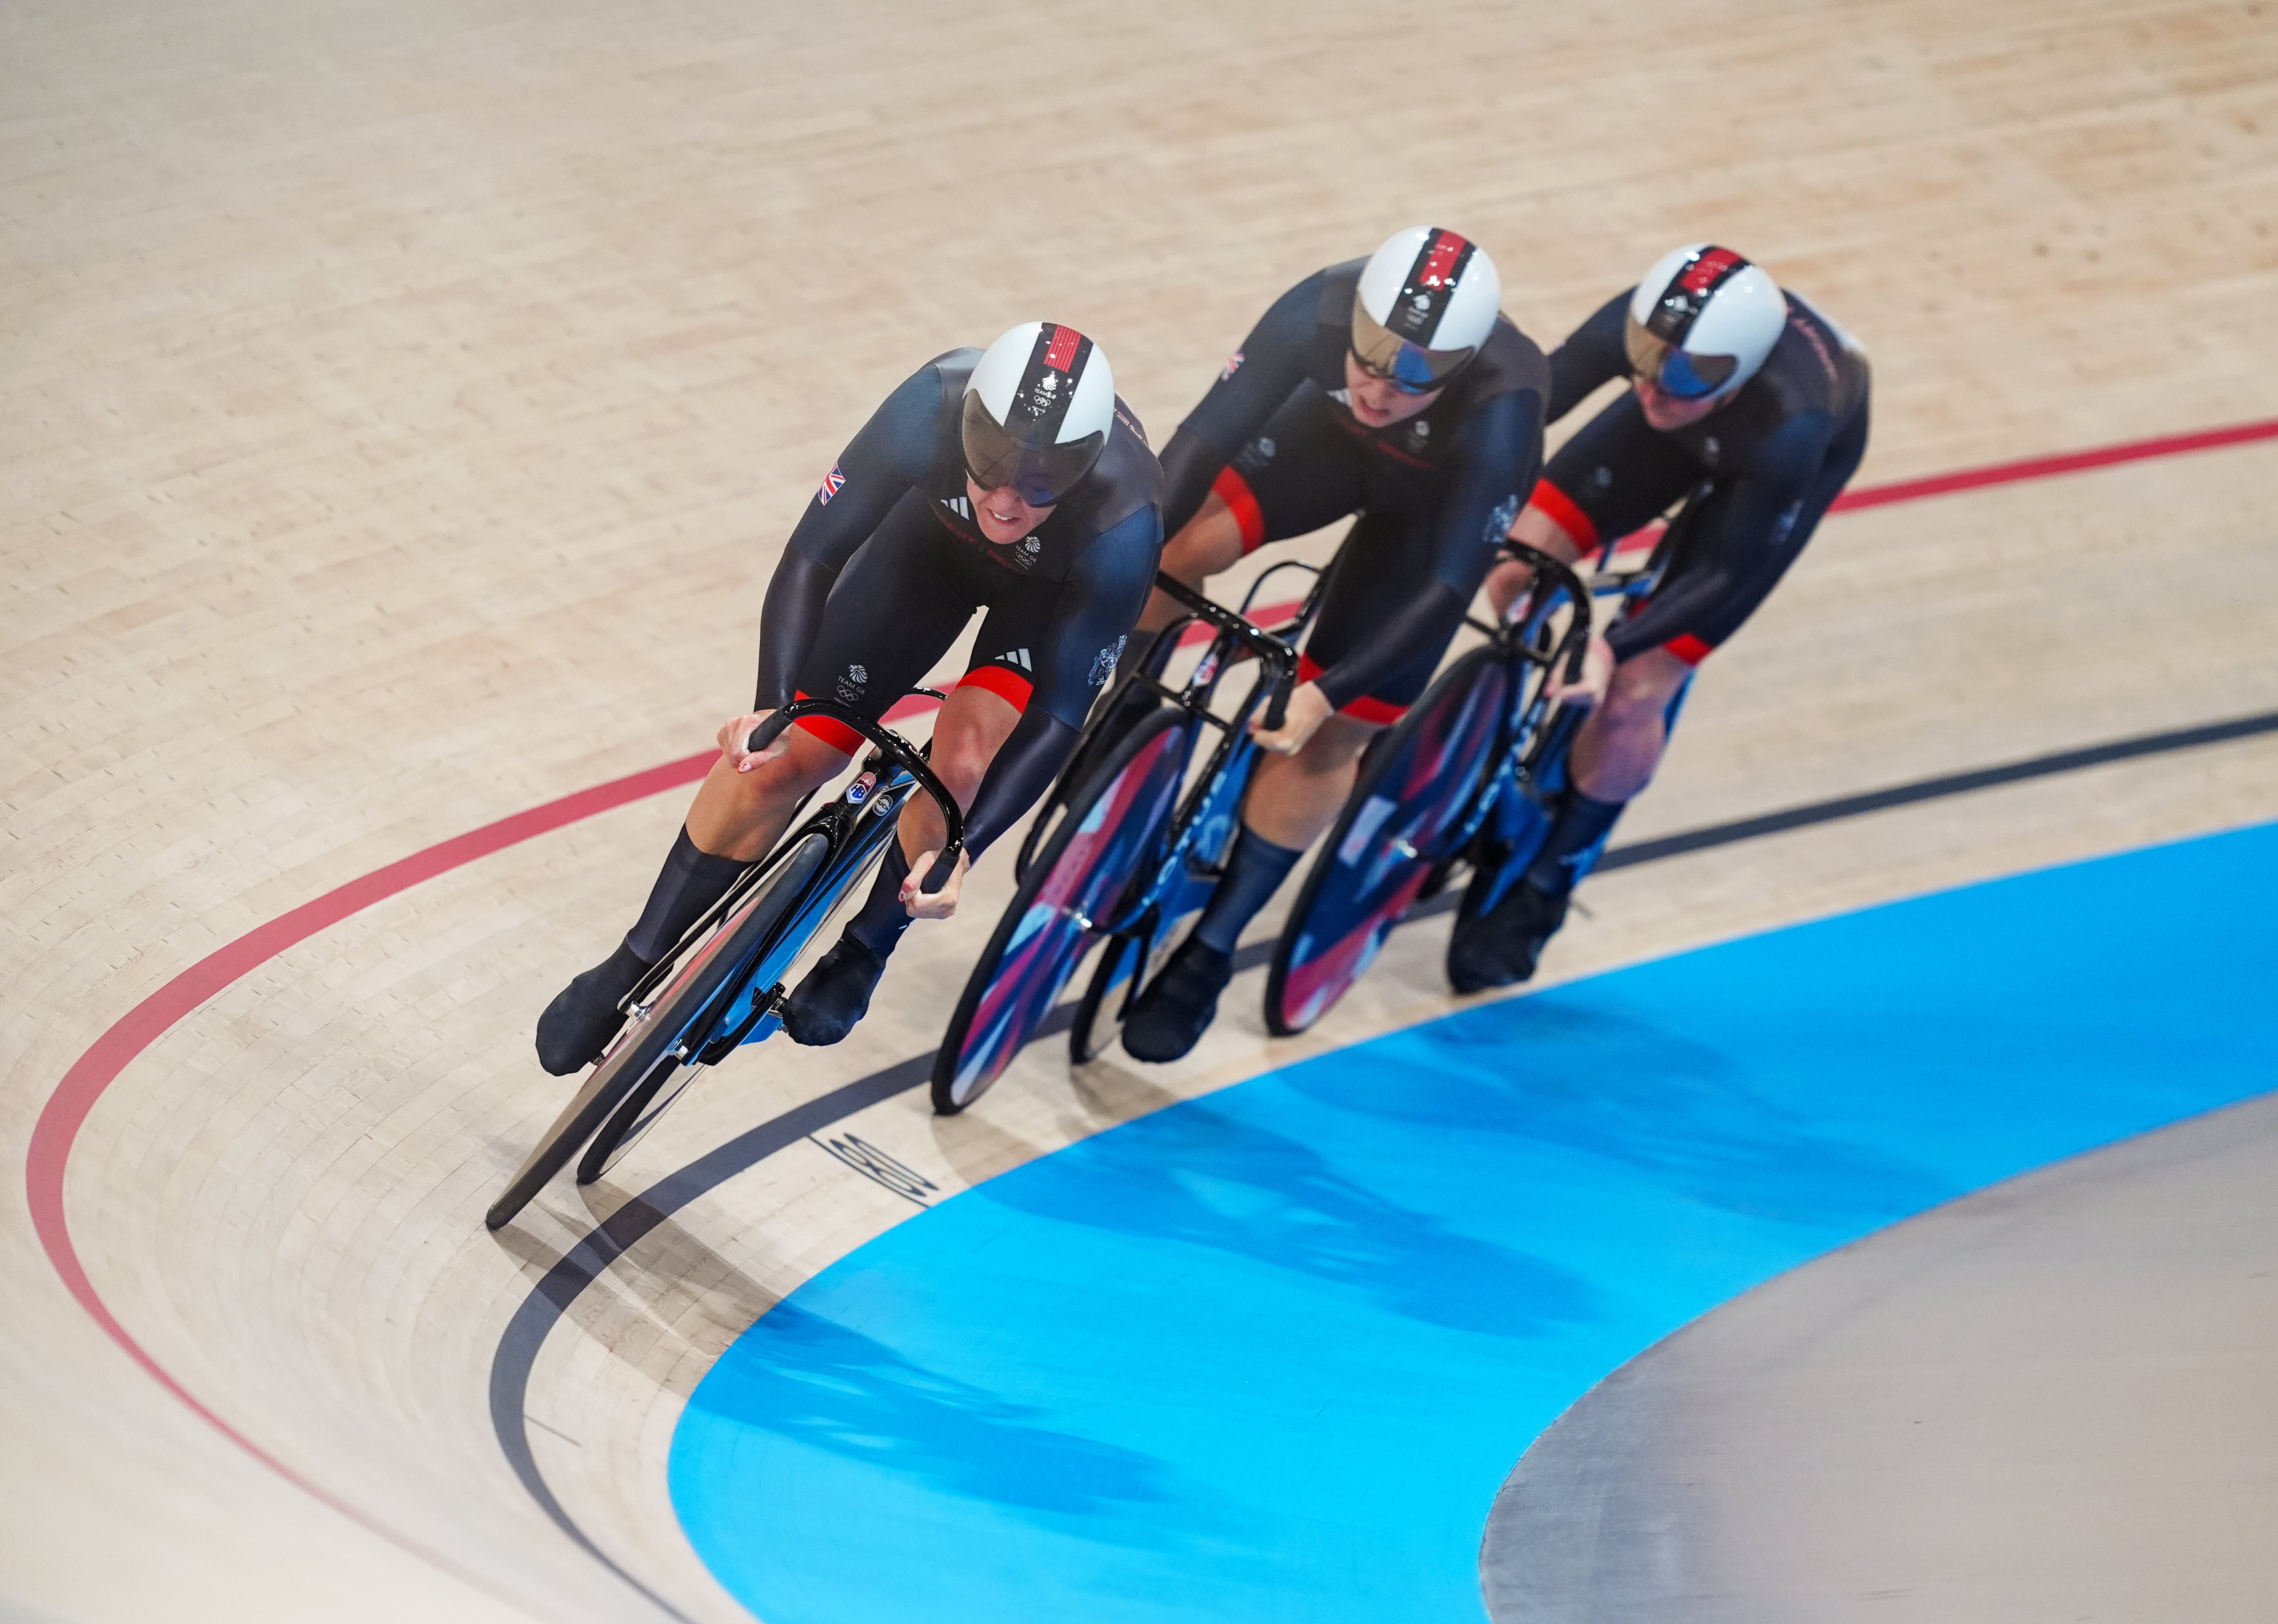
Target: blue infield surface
x=1268, y=1356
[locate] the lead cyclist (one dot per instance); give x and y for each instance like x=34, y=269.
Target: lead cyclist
x=1012, y=481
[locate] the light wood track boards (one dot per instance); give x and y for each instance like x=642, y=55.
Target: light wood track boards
x=403, y=408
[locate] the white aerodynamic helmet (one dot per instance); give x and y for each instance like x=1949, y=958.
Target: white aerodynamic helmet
x=1038, y=409
x=1426, y=303
x=1702, y=321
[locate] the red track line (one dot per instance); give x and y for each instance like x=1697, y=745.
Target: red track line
x=2043, y=467
x=66, y=1110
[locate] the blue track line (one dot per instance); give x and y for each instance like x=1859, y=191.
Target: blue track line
x=1268, y=1355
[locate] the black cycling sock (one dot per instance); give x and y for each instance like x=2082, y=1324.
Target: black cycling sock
x=691, y=882
x=1254, y=871
x=882, y=919
x=1573, y=842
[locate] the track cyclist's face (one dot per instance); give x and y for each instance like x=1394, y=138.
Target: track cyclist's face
x=1378, y=402
x=1666, y=411
x=1001, y=514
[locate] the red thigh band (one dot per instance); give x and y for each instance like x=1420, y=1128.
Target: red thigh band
x=830, y=730
x=1564, y=513
x=1232, y=489
x=1003, y=681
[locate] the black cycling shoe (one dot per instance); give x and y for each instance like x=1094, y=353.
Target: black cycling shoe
x=583, y=1015
x=1172, y=1013
x=1500, y=947
x=834, y=995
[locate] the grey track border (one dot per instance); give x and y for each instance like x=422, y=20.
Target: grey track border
x=561, y=1286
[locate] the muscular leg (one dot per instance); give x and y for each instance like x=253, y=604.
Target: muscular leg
x=735, y=818
x=740, y=815
x=1293, y=798
x=971, y=727
x=1207, y=543
x=1620, y=744
x=1535, y=528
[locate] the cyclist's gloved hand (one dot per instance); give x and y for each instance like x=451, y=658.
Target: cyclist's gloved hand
x=1597, y=671
x=1309, y=707
x=938, y=904
x=736, y=734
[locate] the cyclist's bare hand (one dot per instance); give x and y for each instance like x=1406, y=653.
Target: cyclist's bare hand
x=1309, y=707
x=735, y=737
x=941, y=904
x=1590, y=688
x=1507, y=584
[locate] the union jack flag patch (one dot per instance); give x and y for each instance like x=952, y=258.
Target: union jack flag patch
x=833, y=483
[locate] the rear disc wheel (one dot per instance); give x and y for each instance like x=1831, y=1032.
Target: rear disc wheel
x=1397, y=831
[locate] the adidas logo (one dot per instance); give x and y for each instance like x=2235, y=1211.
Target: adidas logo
x=959, y=506
x=1019, y=657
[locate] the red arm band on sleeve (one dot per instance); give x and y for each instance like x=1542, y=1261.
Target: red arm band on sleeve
x=1689, y=648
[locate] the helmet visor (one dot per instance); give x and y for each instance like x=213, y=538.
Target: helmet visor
x=1673, y=370
x=1039, y=475
x=1410, y=368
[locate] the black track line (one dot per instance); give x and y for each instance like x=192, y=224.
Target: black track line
x=561, y=1286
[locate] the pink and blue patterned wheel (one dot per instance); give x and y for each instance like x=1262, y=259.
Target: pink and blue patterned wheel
x=1111, y=833
x=1405, y=814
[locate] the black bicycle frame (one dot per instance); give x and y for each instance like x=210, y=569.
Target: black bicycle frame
x=912, y=773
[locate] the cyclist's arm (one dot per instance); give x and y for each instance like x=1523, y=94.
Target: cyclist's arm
x=1270, y=364
x=1591, y=354
x=1501, y=452
x=1099, y=604
x=1723, y=572
x=891, y=454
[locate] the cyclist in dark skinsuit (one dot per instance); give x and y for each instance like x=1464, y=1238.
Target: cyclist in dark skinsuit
x=1013, y=481
x=1393, y=387
x=1734, y=383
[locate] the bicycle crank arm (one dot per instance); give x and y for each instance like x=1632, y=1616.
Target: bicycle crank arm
x=764, y=1022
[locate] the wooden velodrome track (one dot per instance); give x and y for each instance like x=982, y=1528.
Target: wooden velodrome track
x=404, y=405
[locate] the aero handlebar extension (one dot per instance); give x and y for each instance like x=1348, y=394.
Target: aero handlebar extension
x=1272, y=650
x=1576, y=643
x=896, y=750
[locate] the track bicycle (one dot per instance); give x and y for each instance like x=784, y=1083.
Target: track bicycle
x=1524, y=806
x=1115, y=855
x=1481, y=735
x=721, y=985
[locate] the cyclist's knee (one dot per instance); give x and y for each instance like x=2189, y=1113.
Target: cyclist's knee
x=1209, y=542
x=1642, y=687
x=968, y=733
x=806, y=765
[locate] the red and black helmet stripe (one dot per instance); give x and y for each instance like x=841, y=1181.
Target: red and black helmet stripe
x=1048, y=383
x=1689, y=291
x=1430, y=285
